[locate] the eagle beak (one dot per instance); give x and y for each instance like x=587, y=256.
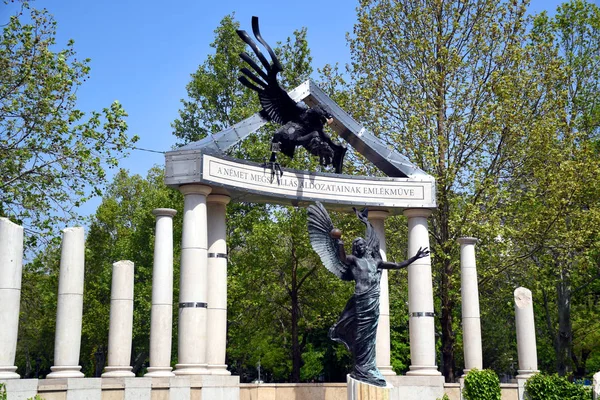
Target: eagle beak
x=329, y=121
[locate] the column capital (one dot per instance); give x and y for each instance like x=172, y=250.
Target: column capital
x=218, y=198
x=417, y=212
x=467, y=240
x=164, y=212
x=378, y=214
x=195, y=189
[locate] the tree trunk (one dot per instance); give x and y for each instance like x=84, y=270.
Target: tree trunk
x=296, y=353
x=564, y=338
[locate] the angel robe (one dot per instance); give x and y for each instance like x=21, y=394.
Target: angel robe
x=357, y=329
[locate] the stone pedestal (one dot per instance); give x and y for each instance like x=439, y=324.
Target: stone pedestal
x=596, y=386
x=470, y=305
x=20, y=389
x=526, y=343
x=420, y=297
x=162, y=295
x=69, y=311
x=217, y=284
x=358, y=390
x=193, y=299
x=11, y=268
x=121, y=321
x=382, y=351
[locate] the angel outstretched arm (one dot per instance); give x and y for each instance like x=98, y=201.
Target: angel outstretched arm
x=422, y=252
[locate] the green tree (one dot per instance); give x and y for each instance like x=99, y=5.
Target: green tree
x=557, y=195
x=444, y=84
x=52, y=157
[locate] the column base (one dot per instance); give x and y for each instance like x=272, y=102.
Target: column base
x=387, y=371
x=358, y=390
x=65, y=371
x=526, y=373
x=191, y=369
x=218, y=370
x=155, y=372
x=423, y=370
x=118, y=372
x=9, y=373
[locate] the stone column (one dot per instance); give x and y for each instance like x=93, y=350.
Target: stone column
x=121, y=321
x=67, y=341
x=217, y=285
x=470, y=305
x=383, y=361
x=11, y=268
x=420, y=297
x=193, y=283
x=596, y=386
x=526, y=345
x=161, y=329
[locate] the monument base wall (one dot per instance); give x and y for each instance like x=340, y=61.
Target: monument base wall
x=218, y=387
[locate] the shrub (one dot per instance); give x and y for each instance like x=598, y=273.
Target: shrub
x=444, y=397
x=554, y=387
x=482, y=385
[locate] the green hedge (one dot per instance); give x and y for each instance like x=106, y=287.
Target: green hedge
x=481, y=385
x=554, y=387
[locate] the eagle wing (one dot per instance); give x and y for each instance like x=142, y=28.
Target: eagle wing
x=319, y=228
x=277, y=105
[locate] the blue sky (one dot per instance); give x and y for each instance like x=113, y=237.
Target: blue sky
x=143, y=52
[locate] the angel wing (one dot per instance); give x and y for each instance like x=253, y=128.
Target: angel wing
x=319, y=227
x=277, y=105
x=372, y=239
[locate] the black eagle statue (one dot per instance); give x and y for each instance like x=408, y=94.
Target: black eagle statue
x=301, y=126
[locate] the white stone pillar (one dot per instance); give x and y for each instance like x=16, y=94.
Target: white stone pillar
x=596, y=386
x=193, y=283
x=161, y=319
x=217, y=285
x=382, y=349
x=11, y=269
x=526, y=345
x=69, y=312
x=121, y=321
x=420, y=297
x=470, y=305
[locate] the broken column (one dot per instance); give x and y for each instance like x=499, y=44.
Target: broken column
x=11, y=268
x=470, y=305
x=526, y=344
x=69, y=311
x=161, y=329
x=121, y=321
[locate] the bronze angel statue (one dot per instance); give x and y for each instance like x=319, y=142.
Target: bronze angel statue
x=301, y=126
x=357, y=325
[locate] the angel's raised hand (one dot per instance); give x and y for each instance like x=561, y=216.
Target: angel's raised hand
x=422, y=252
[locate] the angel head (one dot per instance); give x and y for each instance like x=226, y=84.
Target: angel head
x=359, y=247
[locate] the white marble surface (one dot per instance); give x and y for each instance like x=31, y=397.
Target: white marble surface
x=526, y=341
x=161, y=325
x=11, y=269
x=67, y=341
x=420, y=298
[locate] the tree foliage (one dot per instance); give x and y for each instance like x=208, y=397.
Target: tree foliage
x=52, y=156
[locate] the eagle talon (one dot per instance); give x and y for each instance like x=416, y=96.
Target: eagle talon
x=275, y=169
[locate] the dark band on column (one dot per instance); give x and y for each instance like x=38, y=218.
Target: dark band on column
x=193, y=304
x=422, y=314
x=217, y=255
